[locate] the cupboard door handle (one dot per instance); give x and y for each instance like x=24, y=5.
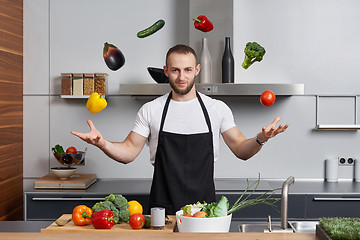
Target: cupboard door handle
x=336, y=199
x=68, y=199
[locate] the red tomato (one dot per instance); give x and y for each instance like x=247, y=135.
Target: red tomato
x=71, y=150
x=137, y=221
x=187, y=215
x=267, y=98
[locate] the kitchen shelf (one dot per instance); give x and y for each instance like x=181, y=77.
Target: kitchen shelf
x=77, y=96
x=74, y=96
x=337, y=127
x=86, y=83
x=354, y=126
x=216, y=89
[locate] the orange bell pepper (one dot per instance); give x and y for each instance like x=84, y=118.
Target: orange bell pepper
x=82, y=215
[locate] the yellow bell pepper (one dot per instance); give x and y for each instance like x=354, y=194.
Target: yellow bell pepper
x=96, y=103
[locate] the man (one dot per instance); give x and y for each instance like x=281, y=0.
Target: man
x=183, y=128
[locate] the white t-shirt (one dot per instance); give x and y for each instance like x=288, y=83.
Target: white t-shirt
x=184, y=118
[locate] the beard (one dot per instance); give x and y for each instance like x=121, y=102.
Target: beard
x=182, y=91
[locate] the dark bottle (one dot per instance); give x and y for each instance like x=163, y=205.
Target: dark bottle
x=227, y=63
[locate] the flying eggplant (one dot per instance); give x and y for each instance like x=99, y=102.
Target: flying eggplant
x=113, y=57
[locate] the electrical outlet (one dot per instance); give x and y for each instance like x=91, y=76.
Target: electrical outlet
x=346, y=161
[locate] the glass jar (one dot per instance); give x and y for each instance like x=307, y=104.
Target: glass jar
x=101, y=83
x=89, y=83
x=66, y=84
x=78, y=84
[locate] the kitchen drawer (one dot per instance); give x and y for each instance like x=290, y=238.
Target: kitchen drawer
x=44, y=206
x=296, y=208
x=318, y=206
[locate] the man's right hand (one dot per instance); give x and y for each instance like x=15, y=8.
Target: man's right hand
x=94, y=137
x=124, y=152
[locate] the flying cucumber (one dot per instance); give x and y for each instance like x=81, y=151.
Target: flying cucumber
x=152, y=29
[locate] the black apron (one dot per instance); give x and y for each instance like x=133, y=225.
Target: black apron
x=184, y=167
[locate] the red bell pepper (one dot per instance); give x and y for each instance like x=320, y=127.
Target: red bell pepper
x=103, y=219
x=202, y=23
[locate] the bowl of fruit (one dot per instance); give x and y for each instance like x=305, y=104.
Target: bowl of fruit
x=69, y=157
x=198, y=222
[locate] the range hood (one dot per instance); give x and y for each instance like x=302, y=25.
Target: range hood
x=216, y=89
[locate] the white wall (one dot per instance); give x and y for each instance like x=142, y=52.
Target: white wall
x=309, y=41
x=315, y=42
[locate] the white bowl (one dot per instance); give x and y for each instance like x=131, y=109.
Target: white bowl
x=63, y=172
x=191, y=224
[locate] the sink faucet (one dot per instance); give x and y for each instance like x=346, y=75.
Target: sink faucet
x=284, y=201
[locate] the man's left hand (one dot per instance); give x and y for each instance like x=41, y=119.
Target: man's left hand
x=271, y=131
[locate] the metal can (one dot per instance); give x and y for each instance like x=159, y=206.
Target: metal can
x=158, y=218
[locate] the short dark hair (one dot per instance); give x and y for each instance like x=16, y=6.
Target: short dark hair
x=180, y=48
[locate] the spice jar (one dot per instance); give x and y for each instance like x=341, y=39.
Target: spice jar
x=66, y=84
x=100, y=83
x=78, y=84
x=89, y=83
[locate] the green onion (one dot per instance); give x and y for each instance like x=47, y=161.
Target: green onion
x=265, y=198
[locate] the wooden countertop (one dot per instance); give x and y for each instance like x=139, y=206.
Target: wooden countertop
x=158, y=236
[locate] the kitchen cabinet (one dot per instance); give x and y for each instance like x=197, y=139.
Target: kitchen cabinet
x=308, y=200
x=318, y=206
x=50, y=206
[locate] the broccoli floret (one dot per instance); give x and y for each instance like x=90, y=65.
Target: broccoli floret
x=253, y=53
x=107, y=205
x=124, y=215
x=119, y=201
x=121, y=204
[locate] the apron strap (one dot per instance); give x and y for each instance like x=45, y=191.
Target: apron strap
x=165, y=111
x=204, y=111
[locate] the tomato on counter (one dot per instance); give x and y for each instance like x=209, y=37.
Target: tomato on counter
x=137, y=221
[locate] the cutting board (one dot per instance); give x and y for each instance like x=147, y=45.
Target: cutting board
x=77, y=181
x=123, y=227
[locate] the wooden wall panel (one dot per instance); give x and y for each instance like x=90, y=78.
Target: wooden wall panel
x=11, y=109
x=9, y=67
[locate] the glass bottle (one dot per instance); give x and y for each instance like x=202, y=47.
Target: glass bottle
x=227, y=63
x=205, y=63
